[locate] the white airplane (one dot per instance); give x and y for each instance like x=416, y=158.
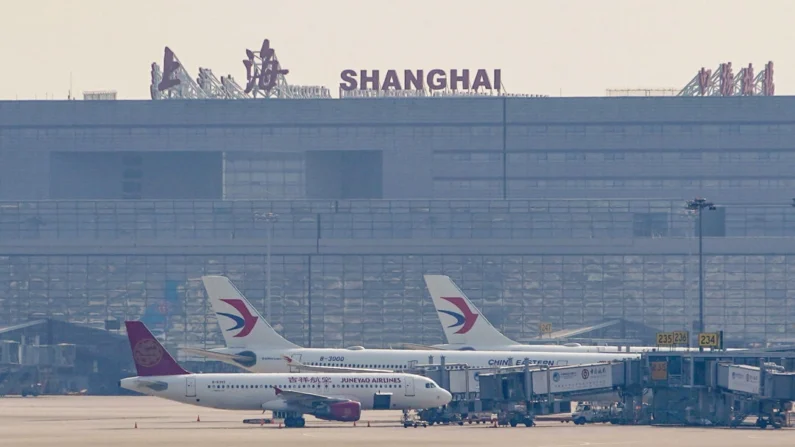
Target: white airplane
x=466, y=328
x=252, y=343
x=328, y=396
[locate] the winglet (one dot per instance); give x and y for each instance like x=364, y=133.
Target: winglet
x=150, y=358
x=277, y=390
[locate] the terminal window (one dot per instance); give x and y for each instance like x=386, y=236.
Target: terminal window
x=344, y=175
x=136, y=175
x=714, y=222
x=650, y=224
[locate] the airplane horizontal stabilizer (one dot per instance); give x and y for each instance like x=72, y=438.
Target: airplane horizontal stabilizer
x=154, y=385
x=416, y=347
x=217, y=355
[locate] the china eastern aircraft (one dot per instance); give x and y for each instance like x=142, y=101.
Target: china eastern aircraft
x=252, y=343
x=466, y=328
x=328, y=396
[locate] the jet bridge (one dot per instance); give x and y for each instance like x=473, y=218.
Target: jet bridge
x=769, y=382
x=720, y=387
x=564, y=382
x=519, y=395
x=681, y=387
x=478, y=392
x=766, y=392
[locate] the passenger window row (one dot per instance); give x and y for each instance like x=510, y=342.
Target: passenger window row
x=356, y=365
x=305, y=386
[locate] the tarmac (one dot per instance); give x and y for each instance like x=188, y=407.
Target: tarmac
x=111, y=421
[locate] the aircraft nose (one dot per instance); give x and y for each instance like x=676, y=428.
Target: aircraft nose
x=444, y=397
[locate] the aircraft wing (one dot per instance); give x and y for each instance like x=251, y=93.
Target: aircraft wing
x=217, y=355
x=330, y=369
x=305, y=399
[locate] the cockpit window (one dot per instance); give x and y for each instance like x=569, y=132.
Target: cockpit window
x=430, y=385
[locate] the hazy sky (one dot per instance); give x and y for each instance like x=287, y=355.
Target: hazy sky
x=577, y=47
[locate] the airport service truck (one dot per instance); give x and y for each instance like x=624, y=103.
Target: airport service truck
x=590, y=413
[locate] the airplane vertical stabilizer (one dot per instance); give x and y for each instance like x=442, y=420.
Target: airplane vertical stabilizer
x=463, y=323
x=241, y=325
x=150, y=357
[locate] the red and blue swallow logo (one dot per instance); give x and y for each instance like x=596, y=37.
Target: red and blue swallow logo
x=245, y=321
x=466, y=319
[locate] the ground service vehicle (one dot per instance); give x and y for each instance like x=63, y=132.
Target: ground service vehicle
x=586, y=413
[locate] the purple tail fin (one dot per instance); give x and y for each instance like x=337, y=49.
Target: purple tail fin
x=151, y=359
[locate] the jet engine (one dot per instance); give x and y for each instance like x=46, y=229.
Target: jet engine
x=249, y=362
x=340, y=411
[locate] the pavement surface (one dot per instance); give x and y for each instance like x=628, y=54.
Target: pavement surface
x=110, y=421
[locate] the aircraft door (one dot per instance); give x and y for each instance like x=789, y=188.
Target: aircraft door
x=293, y=369
x=190, y=387
x=409, y=387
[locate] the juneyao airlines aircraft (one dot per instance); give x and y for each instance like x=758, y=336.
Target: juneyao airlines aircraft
x=253, y=344
x=329, y=396
x=466, y=328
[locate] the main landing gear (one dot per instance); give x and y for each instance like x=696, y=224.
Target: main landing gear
x=294, y=422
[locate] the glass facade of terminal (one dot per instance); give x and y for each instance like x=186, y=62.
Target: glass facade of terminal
x=386, y=219
x=351, y=297
x=378, y=300
x=561, y=210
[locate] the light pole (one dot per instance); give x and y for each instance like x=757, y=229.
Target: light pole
x=698, y=204
x=269, y=219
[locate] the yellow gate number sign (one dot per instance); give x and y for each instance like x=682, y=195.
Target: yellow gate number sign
x=659, y=370
x=681, y=338
x=545, y=328
x=709, y=339
x=665, y=338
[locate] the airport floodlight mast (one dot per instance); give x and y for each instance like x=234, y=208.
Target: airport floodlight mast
x=697, y=205
x=269, y=219
x=264, y=79
x=723, y=82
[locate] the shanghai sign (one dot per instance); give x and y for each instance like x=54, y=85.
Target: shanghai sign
x=436, y=79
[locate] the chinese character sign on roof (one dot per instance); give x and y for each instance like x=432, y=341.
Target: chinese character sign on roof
x=263, y=69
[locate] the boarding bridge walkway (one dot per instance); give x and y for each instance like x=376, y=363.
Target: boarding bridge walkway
x=712, y=387
x=597, y=381
x=540, y=389
x=760, y=383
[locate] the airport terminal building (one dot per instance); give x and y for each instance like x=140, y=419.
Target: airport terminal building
x=562, y=210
